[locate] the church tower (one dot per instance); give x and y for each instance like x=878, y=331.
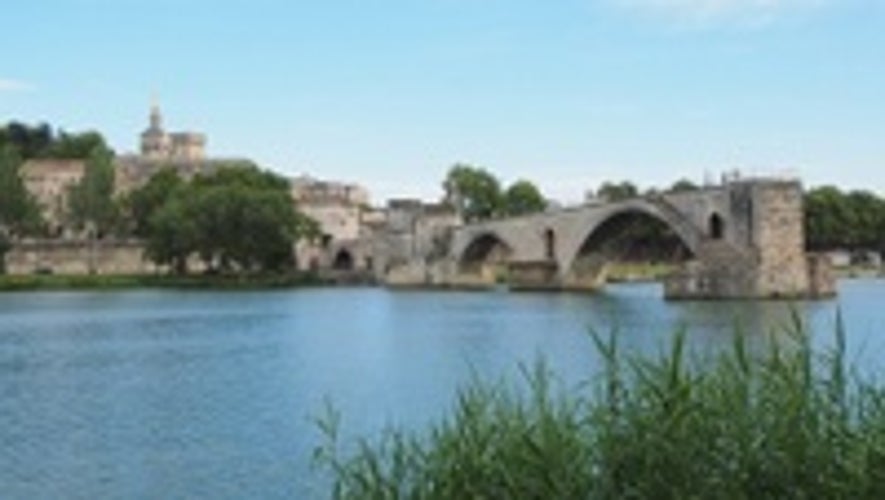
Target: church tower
x=155, y=141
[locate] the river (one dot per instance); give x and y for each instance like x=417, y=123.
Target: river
x=167, y=394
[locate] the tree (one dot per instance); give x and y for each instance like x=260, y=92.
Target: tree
x=682, y=186
x=243, y=173
x=76, y=146
x=838, y=220
x=617, y=191
x=173, y=233
x=523, y=197
x=142, y=203
x=29, y=142
x=40, y=142
x=474, y=191
x=238, y=218
x=91, y=204
x=867, y=211
x=19, y=212
x=828, y=219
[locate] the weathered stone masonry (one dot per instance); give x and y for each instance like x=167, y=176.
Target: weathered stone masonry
x=746, y=238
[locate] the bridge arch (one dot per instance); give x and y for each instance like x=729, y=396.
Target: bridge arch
x=486, y=247
x=588, y=257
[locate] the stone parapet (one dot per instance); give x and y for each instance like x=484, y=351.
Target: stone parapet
x=78, y=257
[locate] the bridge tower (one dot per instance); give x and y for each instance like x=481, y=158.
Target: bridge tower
x=754, y=247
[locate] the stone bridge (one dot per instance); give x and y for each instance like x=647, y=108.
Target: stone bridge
x=745, y=239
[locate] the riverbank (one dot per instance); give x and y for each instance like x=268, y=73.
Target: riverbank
x=636, y=272
x=30, y=282
x=858, y=272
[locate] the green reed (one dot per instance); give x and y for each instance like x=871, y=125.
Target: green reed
x=786, y=423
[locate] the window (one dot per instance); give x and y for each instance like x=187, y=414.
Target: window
x=549, y=244
x=717, y=227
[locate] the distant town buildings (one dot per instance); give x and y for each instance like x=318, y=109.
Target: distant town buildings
x=355, y=239
x=358, y=239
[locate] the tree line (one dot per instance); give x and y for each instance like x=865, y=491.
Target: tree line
x=849, y=220
x=478, y=194
x=41, y=141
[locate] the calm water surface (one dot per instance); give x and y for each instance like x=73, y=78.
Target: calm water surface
x=160, y=394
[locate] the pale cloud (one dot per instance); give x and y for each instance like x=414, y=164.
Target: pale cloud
x=749, y=11
x=12, y=85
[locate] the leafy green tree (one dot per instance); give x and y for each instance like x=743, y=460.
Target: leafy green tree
x=29, y=142
x=867, y=214
x=76, y=146
x=828, y=219
x=242, y=173
x=839, y=220
x=682, y=186
x=617, y=191
x=143, y=202
x=523, y=197
x=91, y=204
x=237, y=219
x=173, y=233
x=41, y=142
x=253, y=229
x=474, y=191
x=19, y=212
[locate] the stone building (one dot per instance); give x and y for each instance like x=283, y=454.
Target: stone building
x=380, y=244
x=336, y=206
x=413, y=236
x=185, y=152
x=339, y=209
x=49, y=181
x=158, y=145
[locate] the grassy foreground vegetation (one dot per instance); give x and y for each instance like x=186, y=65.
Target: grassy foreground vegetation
x=788, y=423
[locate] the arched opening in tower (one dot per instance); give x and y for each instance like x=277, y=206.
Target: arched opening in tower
x=343, y=261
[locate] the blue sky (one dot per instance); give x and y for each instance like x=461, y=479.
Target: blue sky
x=389, y=94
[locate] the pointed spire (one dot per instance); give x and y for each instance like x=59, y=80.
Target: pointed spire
x=156, y=117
